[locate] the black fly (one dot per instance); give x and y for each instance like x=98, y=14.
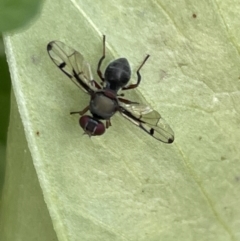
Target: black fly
x=104, y=98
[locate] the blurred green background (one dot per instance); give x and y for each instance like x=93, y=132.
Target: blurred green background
x=14, y=15
x=5, y=84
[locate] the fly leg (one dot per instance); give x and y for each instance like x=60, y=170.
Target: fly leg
x=81, y=112
x=133, y=86
x=108, y=123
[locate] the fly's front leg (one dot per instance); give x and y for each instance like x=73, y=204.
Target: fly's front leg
x=81, y=112
x=108, y=123
x=133, y=86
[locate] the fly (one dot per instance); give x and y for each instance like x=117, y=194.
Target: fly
x=104, y=98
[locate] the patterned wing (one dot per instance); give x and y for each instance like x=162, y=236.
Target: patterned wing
x=148, y=120
x=73, y=65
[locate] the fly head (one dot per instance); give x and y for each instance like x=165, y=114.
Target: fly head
x=91, y=126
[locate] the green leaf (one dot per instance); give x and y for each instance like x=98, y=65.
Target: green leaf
x=24, y=214
x=125, y=185
x=17, y=13
x=5, y=84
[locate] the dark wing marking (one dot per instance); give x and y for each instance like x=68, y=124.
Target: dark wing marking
x=72, y=64
x=148, y=120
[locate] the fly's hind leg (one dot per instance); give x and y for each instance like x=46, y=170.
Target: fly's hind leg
x=133, y=86
x=99, y=72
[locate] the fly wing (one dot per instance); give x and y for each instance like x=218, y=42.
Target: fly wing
x=148, y=120
x=72, y=64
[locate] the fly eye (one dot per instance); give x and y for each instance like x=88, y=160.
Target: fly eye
x=100, y=129
x=91, y=126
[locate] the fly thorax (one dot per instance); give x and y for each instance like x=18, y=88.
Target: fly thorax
x=103, y=106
